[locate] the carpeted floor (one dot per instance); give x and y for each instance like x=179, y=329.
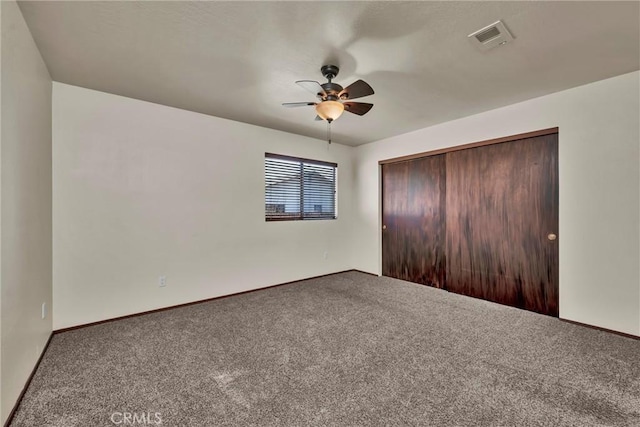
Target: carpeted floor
x=343, y=350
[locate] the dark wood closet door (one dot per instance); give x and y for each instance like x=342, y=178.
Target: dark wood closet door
x=502, y=218
x=413, y=217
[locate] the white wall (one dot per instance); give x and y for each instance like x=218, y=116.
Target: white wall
x=599, y=168
x=143, y=190
x=25, y=190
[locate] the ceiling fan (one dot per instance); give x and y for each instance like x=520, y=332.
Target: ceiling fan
x=333, y=98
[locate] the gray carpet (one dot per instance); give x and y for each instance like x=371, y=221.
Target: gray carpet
x=343, y=350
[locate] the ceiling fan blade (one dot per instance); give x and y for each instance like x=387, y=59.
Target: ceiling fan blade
x=357, y=89
x=359, y=108
x=313, y=87
x=319, y=119
x=297, y=104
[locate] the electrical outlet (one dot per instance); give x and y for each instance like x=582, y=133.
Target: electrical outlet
x=162, y=282
x=44, y=310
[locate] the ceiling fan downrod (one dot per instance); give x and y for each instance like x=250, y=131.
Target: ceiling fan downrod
x=330, y=71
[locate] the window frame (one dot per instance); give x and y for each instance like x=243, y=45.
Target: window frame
x=301, y=215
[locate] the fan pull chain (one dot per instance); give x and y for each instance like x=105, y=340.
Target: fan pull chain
x=329, y=132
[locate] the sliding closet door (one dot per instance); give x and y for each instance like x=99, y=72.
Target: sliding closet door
x=502, y=220
x=413, y=217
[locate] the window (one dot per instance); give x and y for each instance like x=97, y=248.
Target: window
x=296, y=189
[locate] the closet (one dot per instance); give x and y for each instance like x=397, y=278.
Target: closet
x=479, y=220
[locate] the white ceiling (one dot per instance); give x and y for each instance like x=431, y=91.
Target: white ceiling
x=239, y=60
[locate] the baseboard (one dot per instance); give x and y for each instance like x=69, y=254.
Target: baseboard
x=365, y=272
x=26, y=385
x=171, y=307
x=611, y=331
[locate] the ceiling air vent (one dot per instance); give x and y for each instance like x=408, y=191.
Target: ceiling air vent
x=491, y=36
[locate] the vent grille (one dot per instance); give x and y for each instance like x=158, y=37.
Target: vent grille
x=488, y=34
x=491, y=36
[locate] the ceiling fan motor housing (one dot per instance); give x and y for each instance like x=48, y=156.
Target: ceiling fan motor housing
x=332, y=89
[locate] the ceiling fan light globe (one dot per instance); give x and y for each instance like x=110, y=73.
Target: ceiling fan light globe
x=329, y=110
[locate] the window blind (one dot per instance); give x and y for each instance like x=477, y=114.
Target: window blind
x=299, y=189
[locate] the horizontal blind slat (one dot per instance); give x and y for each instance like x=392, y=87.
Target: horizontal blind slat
x=299, y=188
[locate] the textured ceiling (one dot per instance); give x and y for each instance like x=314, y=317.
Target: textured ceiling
x=239, y=60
